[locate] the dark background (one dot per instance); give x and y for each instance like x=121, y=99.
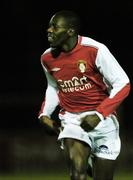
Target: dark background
x=23, y=39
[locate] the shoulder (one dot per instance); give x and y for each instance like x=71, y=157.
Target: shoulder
x=47, y=52
x=46, y=55
x=87, y=41
x=44, y=58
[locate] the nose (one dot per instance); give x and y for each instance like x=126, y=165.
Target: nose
x=50, y=29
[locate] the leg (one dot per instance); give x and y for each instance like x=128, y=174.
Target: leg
x=103, y=169
x=77, y=154
x=90, y=166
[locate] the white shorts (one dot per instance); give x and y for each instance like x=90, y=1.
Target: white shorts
x=104, y=139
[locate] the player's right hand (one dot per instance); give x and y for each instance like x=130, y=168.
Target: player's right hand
x=50, y=124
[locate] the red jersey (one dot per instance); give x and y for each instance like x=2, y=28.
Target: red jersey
x=87, y=78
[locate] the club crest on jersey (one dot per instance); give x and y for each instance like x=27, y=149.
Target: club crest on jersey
x=82, y=65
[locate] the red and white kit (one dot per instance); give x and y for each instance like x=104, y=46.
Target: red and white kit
x=87, y=79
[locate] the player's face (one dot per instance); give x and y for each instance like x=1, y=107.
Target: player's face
x=57, y=32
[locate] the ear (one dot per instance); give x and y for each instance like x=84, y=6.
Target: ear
x=71, y=31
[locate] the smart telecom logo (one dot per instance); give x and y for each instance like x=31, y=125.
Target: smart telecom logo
x=75, y=84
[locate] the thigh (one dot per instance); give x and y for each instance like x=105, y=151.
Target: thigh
x=103, y=169
x=77, y=152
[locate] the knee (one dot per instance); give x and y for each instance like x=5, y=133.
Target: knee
x=78, y=176
x=79, y=165
x=78, y=171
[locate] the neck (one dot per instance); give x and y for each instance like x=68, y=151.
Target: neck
x=70, y=44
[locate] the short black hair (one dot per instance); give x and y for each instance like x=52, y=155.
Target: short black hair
x=71, y=17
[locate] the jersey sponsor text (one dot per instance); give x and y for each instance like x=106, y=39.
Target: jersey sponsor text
x=75, y=84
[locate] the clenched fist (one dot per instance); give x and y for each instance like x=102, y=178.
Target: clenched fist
x=89, y=122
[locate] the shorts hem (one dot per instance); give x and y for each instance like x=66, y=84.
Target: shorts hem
x=103, y=156
x=82, y=140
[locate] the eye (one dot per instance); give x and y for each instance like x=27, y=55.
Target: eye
x=56, y=26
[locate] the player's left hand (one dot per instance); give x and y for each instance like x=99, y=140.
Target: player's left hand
x=89, y=122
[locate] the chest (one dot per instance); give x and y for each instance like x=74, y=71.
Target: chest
x=72, y=65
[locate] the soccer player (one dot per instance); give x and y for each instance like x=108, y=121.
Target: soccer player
x=88, y=84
